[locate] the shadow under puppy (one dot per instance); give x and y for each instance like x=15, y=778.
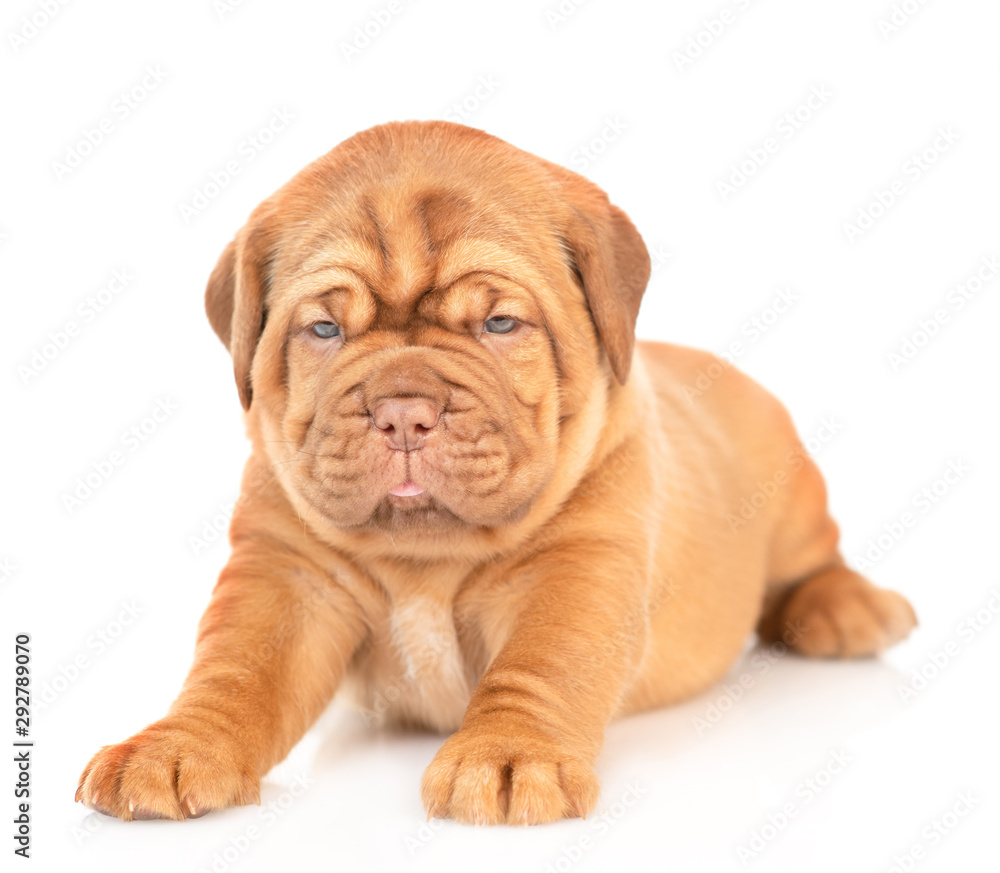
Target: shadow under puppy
x=473, y=498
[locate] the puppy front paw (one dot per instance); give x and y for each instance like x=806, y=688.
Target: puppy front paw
x=512, y=776
x=168, y=771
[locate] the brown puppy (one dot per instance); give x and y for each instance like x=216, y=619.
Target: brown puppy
x=471, y=499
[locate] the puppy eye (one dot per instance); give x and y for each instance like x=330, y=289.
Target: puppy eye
x=499, y=324
x=326, y=329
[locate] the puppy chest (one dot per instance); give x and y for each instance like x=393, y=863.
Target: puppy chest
x=414, y=671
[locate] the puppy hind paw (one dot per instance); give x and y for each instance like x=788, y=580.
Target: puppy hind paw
x=839, y=614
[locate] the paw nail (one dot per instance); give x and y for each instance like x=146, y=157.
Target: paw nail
x=94, y=805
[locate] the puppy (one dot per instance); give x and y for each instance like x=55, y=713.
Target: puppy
x=474, y=502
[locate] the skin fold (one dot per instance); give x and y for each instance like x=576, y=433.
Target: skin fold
x=566, y=544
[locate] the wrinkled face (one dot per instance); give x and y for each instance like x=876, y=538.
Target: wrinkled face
x=421, y=387
x=417, y=320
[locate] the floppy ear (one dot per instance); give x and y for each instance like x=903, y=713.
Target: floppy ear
x=219, y=294
x=613, y=265
x=234, y=299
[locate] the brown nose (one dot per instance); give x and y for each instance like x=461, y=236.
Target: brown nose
x=406, y=421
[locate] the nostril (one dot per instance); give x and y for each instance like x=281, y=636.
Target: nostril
x=405, y=421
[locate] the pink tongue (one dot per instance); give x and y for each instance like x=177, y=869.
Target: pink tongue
x=407, y=489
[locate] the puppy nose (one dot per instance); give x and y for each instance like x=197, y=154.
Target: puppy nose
x=406, y=421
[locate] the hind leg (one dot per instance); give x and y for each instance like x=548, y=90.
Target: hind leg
x=816, y=604
x=836, y=613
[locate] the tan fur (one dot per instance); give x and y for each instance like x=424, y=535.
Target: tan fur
x=574, y=556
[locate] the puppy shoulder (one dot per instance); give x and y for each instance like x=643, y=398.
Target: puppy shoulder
x=693, y=384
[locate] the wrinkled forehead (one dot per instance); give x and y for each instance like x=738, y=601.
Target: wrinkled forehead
x=405, y=235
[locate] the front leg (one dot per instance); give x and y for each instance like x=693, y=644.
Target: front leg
x=525, y=751
x=272, y=647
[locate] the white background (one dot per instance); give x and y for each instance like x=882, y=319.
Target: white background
x=605, y=78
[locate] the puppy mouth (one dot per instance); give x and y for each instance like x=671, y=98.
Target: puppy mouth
x=415, y=510
x=408, y=499
x=407, y=489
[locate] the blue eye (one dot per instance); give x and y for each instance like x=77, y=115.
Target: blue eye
x=499, y=324
x=326, y=329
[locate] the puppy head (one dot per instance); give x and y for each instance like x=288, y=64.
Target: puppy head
x=414, y=318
